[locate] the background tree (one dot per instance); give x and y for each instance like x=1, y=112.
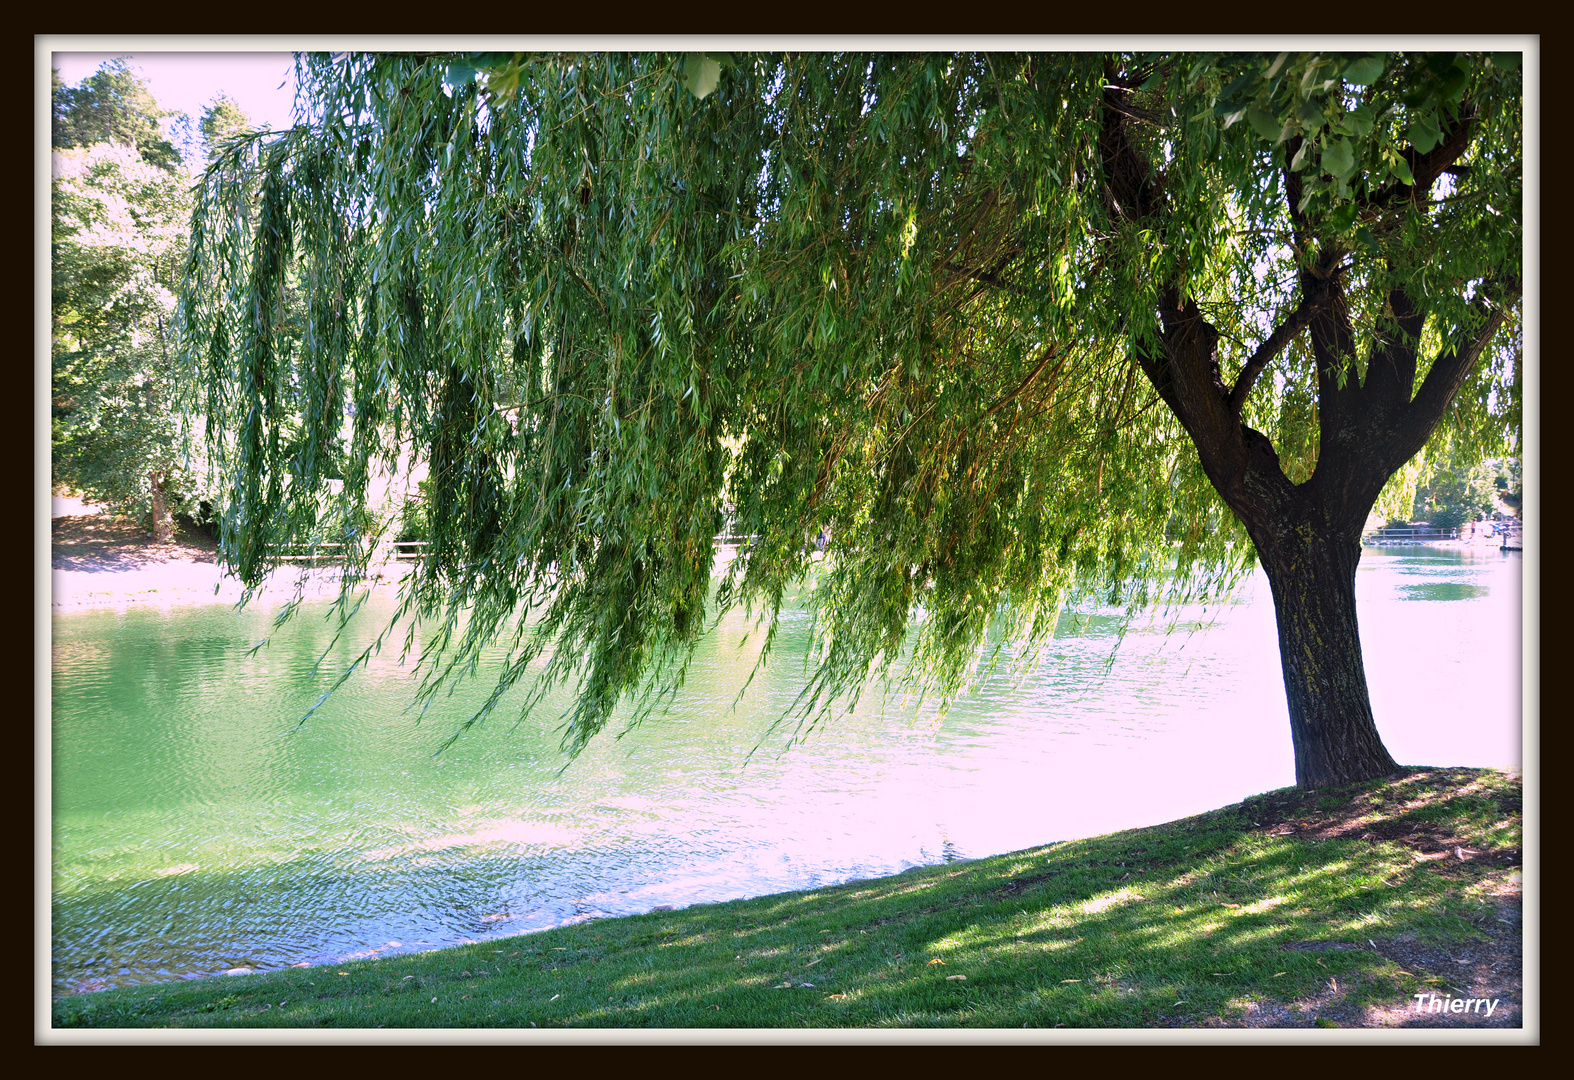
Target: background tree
x=1001, y=332
x=1456, y=490
x=121, y=208
x=118, y=246
x=223, y=119
x=1509, y=482
x=112, y=106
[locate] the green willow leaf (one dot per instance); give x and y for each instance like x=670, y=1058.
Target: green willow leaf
x=1359, y=121
x=1424, y=133
x=1364, y=72
x=1339, y=159
x=700, y=73
x=1264, y=123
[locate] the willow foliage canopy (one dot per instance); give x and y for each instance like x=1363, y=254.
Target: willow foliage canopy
x=997, y=332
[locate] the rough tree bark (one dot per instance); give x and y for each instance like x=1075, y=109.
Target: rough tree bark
x=1312, y=575
x=1307, y=536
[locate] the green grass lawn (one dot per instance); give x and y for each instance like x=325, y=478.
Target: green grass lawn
x=1287, y=910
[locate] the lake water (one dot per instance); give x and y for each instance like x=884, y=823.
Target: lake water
x=196, y=830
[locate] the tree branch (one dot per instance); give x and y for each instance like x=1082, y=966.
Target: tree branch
x=1426, y=168
x=986, y=277
x=1271, y=348
x=1130, y=191
x=1454, y=363
x=1049, y=354
x=1333, y=349
x=1182, y=365
x=1292, y=196
x=1391, y=371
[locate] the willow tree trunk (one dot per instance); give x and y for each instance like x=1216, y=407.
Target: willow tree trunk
x=1312, y=573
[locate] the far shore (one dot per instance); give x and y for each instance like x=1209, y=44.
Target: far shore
x=99, y=560
x=1481, y=541
x=177, y=582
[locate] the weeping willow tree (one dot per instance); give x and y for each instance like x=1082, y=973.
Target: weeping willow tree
x=964, y=338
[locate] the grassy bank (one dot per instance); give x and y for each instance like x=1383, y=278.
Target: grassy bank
x=1290, y=909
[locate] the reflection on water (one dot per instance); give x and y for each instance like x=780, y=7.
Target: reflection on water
x=197, y=829
x=1444, y=590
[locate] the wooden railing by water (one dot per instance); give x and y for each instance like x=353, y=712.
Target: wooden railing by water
x=315, y=554
x=331, y=554
x=1407, y=534
x=1509, y=533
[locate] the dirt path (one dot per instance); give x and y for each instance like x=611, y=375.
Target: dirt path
x=98, y=543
